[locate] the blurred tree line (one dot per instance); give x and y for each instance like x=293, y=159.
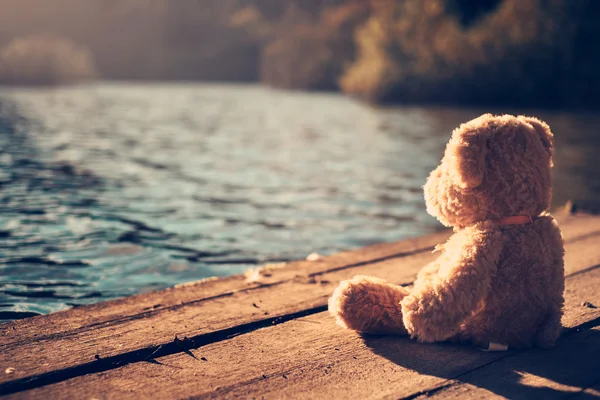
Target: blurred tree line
x=517, y=52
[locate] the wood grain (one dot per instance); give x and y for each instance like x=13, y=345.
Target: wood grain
x=114, y=311
x=62, y=340
x=303, y=288
x=310, y=356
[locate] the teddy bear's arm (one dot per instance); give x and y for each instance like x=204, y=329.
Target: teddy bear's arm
x=435, y=308
x=428, y=272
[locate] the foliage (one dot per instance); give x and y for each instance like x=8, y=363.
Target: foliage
x=44, y=60
x=527, y=52
x=518, y=52
x=311, y=53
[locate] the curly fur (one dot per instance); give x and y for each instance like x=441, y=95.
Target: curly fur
x=368, y=304
x=492, y=282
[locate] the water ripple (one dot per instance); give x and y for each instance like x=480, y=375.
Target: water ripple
x=110, y=190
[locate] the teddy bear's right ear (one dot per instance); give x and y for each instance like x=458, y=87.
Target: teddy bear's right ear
x=543, y=130
x=466, y=153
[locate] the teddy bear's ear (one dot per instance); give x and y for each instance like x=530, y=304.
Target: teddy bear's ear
x=543, y=130
x=466, y=153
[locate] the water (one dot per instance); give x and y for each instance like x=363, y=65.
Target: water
x=110, y=190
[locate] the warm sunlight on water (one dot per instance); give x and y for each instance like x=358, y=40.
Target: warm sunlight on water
x=111, y=190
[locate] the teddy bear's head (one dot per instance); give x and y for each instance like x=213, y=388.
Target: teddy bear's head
x=493, y=167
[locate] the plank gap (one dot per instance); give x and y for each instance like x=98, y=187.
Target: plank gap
x=158, y=310
x=148, y=354
x=153, y=349
x=185, y=344
x=376, y=260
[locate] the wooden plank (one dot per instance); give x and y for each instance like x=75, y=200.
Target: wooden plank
x=310, y=356
x=143, y=305
x=174, y=322
x=558, y=373
x=212, y=319
x=194, y=321
x=185, y=311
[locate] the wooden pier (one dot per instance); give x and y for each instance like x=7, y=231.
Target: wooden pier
x=268, y=335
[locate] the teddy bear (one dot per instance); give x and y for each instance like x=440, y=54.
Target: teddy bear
x=499, y=280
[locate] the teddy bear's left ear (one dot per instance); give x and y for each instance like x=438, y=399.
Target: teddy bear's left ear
x=466, y=153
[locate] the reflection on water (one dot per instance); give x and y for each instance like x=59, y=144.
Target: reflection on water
x=111, y=190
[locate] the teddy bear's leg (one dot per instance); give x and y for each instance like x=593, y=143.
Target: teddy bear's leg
x=435, y=309
x=368, y=305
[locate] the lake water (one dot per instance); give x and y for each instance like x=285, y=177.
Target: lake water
x=114, y=189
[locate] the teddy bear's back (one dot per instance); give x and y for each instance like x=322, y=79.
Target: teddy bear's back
x=526, y=289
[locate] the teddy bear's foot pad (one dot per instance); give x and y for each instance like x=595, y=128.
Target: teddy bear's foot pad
x=368, y=305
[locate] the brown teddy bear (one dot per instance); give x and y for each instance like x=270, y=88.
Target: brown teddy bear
x=499, y=280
